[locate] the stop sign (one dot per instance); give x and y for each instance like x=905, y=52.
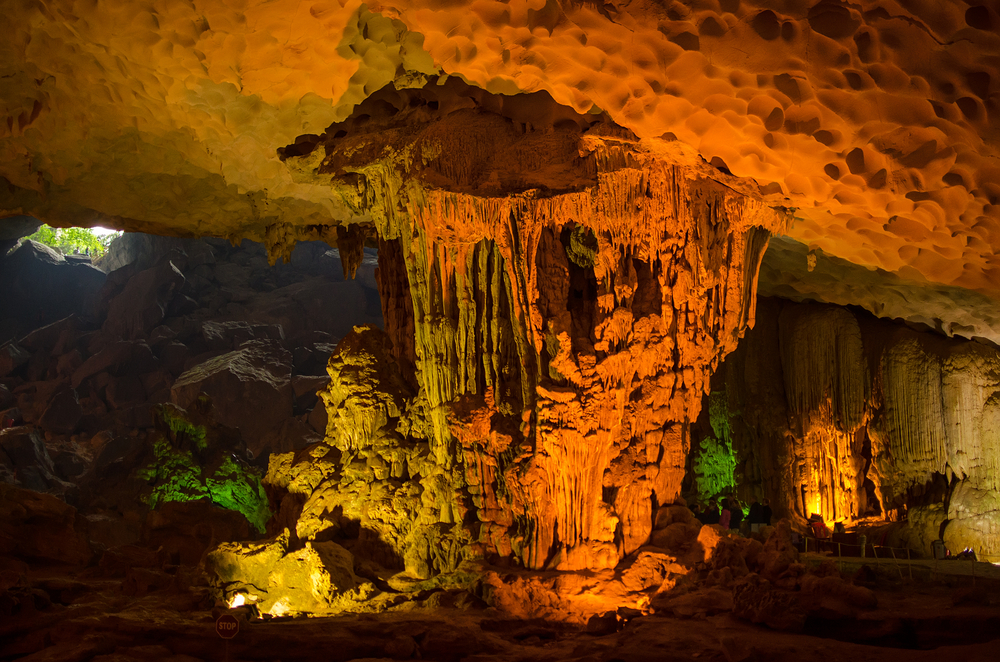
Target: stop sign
x=227, y=626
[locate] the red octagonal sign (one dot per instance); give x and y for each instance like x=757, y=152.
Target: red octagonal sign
x=227, y=626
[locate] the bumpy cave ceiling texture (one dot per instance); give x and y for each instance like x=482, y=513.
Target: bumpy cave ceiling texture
x=872, y=126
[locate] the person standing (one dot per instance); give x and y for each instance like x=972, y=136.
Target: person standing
x=726, y=514
x=755, y=516
x=765, y=513
x=711, y=514
x=735, y=514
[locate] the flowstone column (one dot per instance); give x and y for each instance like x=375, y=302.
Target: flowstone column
x=556, y=300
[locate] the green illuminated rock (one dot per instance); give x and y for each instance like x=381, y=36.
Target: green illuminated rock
x=194, y=461
x=715, y=459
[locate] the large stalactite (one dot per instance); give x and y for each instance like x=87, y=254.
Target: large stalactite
x=556, y=298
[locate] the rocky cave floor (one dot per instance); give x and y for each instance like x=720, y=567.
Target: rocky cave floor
x=67, y=614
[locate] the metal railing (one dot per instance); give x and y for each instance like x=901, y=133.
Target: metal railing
x=862, y=547
x=884, y=555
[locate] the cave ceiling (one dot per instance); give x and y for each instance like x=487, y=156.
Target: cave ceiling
x=872, y=126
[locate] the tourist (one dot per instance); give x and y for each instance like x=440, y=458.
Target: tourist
x=735, y=514
x=711, y=514
x=726, y=514
x=765, y=513
x=755, y=516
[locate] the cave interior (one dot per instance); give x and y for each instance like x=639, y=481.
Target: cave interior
x=453, y=333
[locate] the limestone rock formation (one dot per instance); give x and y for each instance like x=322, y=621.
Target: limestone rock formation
x=835, y=413
x=570, y=204
x=43, y=286
x=315, y=579
x=555, y=345
x=85, y=411
x=40, y=526
x=259, y=372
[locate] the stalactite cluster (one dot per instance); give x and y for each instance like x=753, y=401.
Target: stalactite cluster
x=556, y=334
x=842, y=415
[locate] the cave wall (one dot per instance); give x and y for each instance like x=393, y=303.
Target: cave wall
x=546, y=350
x=823, y=398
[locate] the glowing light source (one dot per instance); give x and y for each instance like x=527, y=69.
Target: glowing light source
x=238, y=601
x=279, y=608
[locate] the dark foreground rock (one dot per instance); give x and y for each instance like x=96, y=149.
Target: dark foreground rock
x=40, y=527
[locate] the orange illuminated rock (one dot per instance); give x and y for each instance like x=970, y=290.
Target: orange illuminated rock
x=878, y=126
x=555, y=343
x=846, y=416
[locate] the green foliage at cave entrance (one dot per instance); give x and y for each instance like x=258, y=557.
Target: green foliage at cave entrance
x=182, y=470
x=714, y=459
x=74, y=240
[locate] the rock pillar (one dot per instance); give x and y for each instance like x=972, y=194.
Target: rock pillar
x=556, y=301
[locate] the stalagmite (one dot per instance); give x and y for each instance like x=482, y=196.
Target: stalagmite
x=557, y=298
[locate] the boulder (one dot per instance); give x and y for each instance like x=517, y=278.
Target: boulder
x=13, y=228
x=12, y=357
x=121, y=357
x=676, y=537
x=650, y=569
x=142, y=303
x=41, y=286
x=53, y=337
x=250, y=389
x=318, y=418
x=667, y=515
x=309, y=579
x=33, y=398
x=145, y=250
x=306, y=389
x=599, y=625
x=694, y=604
x=282, y=581
x=778, y=554
x=39, y=526
x=232, y=566
x=10, y=417
x=306, y=305
x=292, y=435
x=831, y=596
x=62, y=415
x=118, y=559
x=756, y=600
x=68, y=363
x=27, y=459
x=230, y=335
x=184, y=531
x=125, y=392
